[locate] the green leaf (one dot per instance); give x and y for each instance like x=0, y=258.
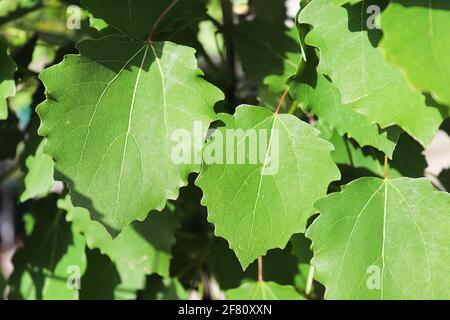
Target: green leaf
x=429, y=71
x=39, y=178
x=101, y=281
x=365, y=80
x=301, y=248
x=7, y=84
x=383, y=239
x=263, y=291
x=408, y=160
x=301, y=278
x=324, y=101
x=355, y=162
x=164, y=289
x=50, y=256
x=256, y=212
x=142, y=14
x=270, y=53
x=141, y=249
x=104, y=112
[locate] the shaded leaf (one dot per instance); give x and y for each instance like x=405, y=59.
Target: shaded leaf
x=163, y=289
x=371, y=86
x=101, y=280
x=141, y=249
x=142, y=14
x=270, y=53
x=301, y=248
x=52, y=254
x=10, y=136
x=274, y=11
x=301, y=278
x=407, y=161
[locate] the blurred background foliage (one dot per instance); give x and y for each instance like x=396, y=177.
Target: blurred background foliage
x=202, y=266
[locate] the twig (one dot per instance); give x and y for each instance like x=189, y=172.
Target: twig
x=260, y=270
x=285, y=93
